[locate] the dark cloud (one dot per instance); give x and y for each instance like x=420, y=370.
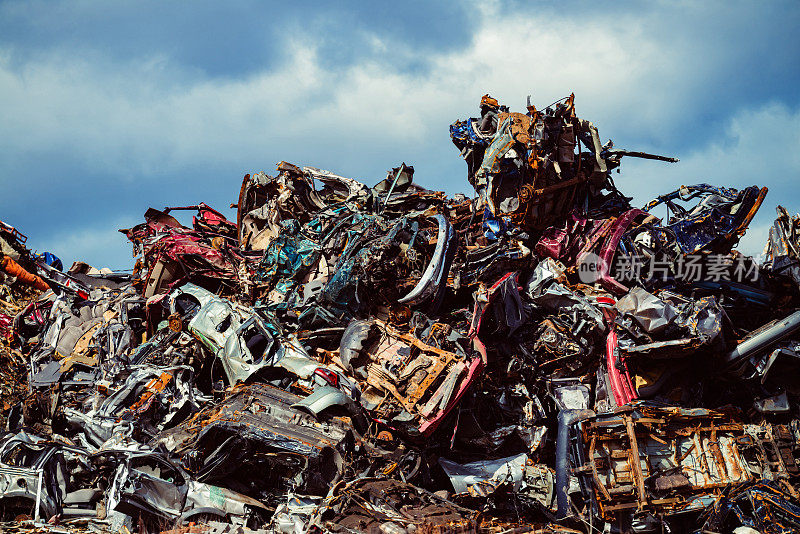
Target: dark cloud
x=231, y=39
x=110, y=108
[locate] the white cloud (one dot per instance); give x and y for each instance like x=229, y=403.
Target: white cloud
x=757, y=147
x=145, y=115
x=135, y=118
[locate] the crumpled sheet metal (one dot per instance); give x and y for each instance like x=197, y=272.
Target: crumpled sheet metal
x=262, y=419
x=762, y=507
x=343, y=356
x=719, y=219
x=652, y=314
x=369, y=505
x=483, y=478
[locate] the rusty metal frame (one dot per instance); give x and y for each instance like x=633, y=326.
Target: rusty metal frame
x=711, y=452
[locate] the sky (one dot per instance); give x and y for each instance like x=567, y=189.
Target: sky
x=108, y=108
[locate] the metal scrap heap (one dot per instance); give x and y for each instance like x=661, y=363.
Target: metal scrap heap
x=543, y=357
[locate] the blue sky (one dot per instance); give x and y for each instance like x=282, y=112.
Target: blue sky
x=107, y=108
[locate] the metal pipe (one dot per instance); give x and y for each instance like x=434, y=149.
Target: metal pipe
x=566, y=418
x=36, y=514
x=763, y=340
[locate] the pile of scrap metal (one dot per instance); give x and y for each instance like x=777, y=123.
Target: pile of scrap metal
x=19, y=289
x=346, y=358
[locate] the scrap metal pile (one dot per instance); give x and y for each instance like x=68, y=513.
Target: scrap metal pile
x=543, y=357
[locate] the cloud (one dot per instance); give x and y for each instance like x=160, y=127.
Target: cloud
x=100, y=246
x=758, y=146
x=230, y=40
x=134, y=117
x=125, y=130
